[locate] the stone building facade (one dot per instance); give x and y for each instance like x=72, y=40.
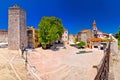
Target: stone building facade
x=32, y=36
x=3, y=36
x=85, y=35
x=65, y=36
x=71, y=39
x=17, y=35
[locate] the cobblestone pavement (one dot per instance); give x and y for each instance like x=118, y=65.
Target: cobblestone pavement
x=12, y=66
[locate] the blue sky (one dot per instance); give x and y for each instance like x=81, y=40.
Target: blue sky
x=76, y=15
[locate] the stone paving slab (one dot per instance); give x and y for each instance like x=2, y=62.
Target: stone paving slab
x=12, y=66
x=65, y=64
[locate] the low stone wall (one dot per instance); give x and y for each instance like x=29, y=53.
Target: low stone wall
x=103, y=68
x=114, y=46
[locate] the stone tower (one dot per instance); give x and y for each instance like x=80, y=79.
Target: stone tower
x=94, y=29
x=17, y=35
x=94, y=26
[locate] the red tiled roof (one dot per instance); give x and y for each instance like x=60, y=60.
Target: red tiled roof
x=96, y=39
x=85, y=30
x=3, y=31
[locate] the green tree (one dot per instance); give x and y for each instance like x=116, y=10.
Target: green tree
x=107, y=40
x=50, y=30
x=81, y=44
x=76, y=40
x=117, y=35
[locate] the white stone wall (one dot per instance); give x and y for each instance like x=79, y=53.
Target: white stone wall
x=71, y=39
x=65, y=36
x=114, y=45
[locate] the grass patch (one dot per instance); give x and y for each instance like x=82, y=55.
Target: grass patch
x=82, y=52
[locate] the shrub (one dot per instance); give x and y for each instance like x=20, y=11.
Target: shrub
x=119, y=42
x=81, y=44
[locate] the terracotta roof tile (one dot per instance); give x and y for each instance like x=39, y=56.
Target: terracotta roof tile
x=85, y=31
x=95, y=39
x=3, y=31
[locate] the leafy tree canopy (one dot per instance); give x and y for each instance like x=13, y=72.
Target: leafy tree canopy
x=118, y=34
x=76, y=40
x=81, y=44
x=50, y=30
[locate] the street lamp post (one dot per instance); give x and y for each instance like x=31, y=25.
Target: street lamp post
x=26, y=61
x=22, y=49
